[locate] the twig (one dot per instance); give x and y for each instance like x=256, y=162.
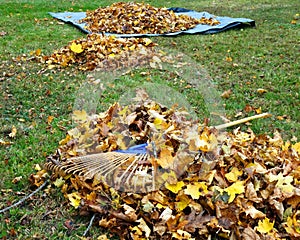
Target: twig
x=243, y=120
x=25, y=198
x=90, y=225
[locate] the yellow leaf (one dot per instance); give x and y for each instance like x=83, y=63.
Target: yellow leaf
x=207, y=141
x=65, y=140
x=102, y=237
x=74, y=198
x=228, y=59
x=37, y=167
x=265, y=226
x=13, y=132
x=292, y=225
x=296, y=147
x=174, y=187
x=78, y=115
x=59, y=182
x=233, y=175
x=284, y=183
x=112, y=55
x=236, y=188
x=261, y=90
x=194, y=189
x=91, y=196
x=183, y=202
x=76, y=48
x=147, y=41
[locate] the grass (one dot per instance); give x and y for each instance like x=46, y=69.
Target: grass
x=241, y=60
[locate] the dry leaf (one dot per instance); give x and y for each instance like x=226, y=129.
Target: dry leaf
x=264, y=226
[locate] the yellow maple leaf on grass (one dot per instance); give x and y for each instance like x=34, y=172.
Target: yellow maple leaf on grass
x=265, y=226
x=76, y=48
x=234, y=189
x=74, y=199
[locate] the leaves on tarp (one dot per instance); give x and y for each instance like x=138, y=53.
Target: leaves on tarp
x=249, y=190
x=99, y=51
x=140, y=18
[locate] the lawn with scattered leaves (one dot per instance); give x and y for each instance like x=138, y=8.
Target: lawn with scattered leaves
x=254, y=69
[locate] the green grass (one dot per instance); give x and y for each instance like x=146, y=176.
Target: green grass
x=263, y=57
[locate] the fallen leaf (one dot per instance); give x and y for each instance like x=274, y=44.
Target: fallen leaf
x=74, y=199
x=76, y=48
x=234, y=189
x=174, y=187
x=226, y=94
x=59, y=182
x=233, y=175
x=13, y=132
x=261, y=90
x=264, y=226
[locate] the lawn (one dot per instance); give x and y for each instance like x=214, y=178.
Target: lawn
x=258, y=66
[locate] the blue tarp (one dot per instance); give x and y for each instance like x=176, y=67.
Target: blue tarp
x=137, y=149
x=225, y=23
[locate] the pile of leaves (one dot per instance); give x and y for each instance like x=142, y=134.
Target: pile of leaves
x=139, y=18
x=99, y=51
x=238, y=185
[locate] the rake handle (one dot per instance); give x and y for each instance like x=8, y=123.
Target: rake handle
x=243, y=120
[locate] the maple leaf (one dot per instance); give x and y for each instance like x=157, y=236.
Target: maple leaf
x=296, y=147
x=59, y=182
x=194, y=189
x=234, y=189
x=174, y=187
x=76, y=48
x=265, y=226
x=74, y=199
x=233, y=175
x=284, y=183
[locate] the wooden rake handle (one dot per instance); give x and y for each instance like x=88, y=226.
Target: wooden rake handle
x=243, y=120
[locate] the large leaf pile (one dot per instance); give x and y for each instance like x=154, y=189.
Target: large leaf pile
x=99, y=51
x=234, y=185
x=139, y=18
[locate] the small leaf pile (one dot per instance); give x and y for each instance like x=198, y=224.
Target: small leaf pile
x=139, y=18
x=98, y=51
x=239, y=186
